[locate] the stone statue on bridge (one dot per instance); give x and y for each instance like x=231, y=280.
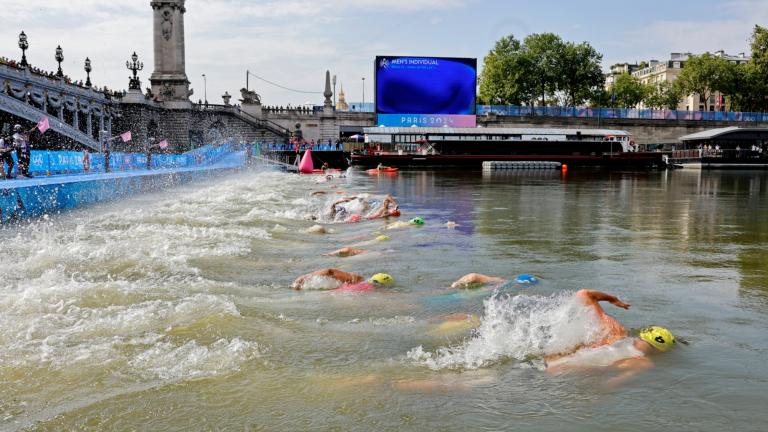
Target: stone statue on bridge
x=250, y=97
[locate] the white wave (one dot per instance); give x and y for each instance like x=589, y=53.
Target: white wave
x=521, y=328
x=168, y=361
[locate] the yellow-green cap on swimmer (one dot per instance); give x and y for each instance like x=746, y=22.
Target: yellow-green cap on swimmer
x=382, y=237
x=418, y=220
x=658, y=337
x=382, y=279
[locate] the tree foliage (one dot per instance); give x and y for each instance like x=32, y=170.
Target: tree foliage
x=542, y=68
x=627, y=91
x=665, y=95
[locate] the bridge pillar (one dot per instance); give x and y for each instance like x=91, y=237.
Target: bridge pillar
x=169, y=79
x=76, y=116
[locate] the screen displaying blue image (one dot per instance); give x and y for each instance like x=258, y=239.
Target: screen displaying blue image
x=425, y=85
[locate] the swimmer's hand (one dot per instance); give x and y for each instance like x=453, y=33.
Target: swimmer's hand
x=619, y=303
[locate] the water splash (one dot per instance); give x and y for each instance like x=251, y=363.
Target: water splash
x=522, y=328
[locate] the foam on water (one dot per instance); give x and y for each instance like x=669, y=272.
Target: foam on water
x=519, y=328
x=119, y=287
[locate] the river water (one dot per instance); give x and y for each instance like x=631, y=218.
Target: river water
x=173, y=310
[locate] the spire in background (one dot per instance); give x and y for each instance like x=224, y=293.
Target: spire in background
x=328, y=93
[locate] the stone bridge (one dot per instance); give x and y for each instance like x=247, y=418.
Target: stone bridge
x=75, y=112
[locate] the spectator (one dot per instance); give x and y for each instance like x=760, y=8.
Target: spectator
x=6, y=158
x=21, y=143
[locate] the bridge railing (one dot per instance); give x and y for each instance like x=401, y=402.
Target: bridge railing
x=614, y=113
x=290, y=147
x=622, y=113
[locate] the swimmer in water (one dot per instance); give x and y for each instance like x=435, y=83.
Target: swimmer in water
x=345, y=252
x=350, y=282
x=479, y=280
x=616, y=349
x=389, y=207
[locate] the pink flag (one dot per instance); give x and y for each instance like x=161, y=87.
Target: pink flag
x=126, y=136
x=43, y=124
x=163, y=144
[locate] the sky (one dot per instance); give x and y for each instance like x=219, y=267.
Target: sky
x=293, y=42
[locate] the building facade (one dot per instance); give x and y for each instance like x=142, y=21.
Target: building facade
x=656, y=73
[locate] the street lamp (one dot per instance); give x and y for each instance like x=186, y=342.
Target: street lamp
x=135, y=66
x=205, y=88
x=23, y=44
x=363, y=104
x=334, y=91
x=88, y=70
x=59, y=58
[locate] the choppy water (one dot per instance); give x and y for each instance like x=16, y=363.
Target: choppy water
x=173, y=311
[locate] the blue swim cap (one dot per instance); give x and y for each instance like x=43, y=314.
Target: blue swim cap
x=526, y=279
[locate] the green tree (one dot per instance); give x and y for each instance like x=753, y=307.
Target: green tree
x=627, y=91
x=507, y=77
x=544, y=54
x=580, y=72
x=542, y=68
x=664, y=95
x=703, y=75
x=753, y=94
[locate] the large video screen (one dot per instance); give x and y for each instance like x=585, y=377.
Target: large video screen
x=425, y=91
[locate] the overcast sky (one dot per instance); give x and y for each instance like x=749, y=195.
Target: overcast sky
x=293, y=42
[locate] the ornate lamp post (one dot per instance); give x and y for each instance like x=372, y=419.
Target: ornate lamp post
x=135, y=66
x=23, y=44
x=59, y=58
x=88, y=70
x=205, y=86
x=363, y=104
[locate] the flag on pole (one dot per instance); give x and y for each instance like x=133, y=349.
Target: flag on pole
x=43, y=124
x=126, y=136
x=163, y=144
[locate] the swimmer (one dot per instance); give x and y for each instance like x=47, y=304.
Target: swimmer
x=477, y=280
x=338, y=209
x=389, y=207
x=349, y=282
x=616, y=349
x=345, y=252
x=417, y=221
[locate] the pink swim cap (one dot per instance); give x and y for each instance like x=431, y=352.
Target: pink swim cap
x=354, y=218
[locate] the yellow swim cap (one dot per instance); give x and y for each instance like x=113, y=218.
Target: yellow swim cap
x=659, y=337
x=382, y=279
x=382, y=237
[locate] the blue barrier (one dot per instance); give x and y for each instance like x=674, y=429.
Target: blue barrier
x=46, y=162
x=622, y=113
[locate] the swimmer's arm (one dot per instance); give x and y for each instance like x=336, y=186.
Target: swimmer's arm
x=475, y=278
x=629, y=367
x=594, y=297
x=339, y=275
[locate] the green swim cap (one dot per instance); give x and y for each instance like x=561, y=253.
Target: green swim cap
x=418, y=220
x=382, y=237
